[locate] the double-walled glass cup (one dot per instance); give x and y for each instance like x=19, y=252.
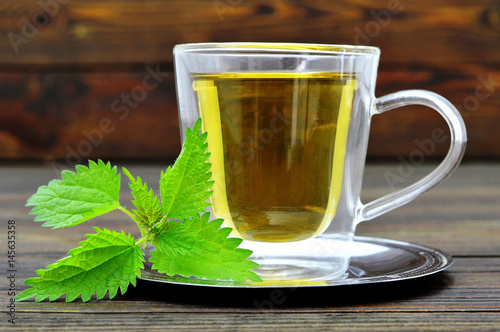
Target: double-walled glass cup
x=288, y=128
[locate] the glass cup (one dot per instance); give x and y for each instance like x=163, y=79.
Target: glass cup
x=288, y=128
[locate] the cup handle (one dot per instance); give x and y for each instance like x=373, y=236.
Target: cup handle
x=448, y=165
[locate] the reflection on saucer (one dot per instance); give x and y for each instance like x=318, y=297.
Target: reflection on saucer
x=372, y=261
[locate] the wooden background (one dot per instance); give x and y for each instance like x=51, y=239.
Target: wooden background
x=67, y=67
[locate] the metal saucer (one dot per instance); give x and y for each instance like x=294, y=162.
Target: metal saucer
x=373, y=260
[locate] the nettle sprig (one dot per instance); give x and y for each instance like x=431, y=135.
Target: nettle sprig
x=186, y=242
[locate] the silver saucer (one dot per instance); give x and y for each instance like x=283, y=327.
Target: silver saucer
x=373, y=260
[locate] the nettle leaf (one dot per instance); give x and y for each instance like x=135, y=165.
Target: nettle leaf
x=105, y=262
x=177, y=239
x=149, y=210
x=184, y=187
x=224, y=261
x=80, y=196
x=185, y=243
x=185, y=238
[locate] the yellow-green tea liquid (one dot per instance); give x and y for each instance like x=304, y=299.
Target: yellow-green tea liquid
x=277, y=144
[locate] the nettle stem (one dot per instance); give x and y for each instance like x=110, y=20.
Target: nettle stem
x=141, y=241
x=131, y=215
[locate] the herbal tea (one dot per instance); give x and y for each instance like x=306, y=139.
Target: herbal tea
x=277, y=144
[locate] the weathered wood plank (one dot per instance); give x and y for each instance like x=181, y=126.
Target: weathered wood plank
x=460, y=216
x=180, y=321
x=114, y=31
x=71, y=114
x=473, y=278
x=472, y=88
x=78, y=115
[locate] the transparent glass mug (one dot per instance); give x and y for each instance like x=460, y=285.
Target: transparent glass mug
x=288, y=128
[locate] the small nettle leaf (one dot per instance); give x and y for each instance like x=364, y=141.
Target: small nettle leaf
x=209, y=230
x=77, y=197
x=225, y=262
x=149, y=210
x=226, y=265
x=105, y=262
x=177, y=239
x=184, y=187
x=186, y=238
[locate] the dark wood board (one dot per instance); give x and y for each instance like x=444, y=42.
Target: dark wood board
x=460, y=216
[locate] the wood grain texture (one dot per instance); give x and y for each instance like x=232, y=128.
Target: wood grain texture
x=275, y=322
x=115, y=31
x=64, y=64
x=73, y=116
x=460, y=216
x=59, y=113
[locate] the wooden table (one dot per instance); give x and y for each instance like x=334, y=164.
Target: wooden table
x=460, y=217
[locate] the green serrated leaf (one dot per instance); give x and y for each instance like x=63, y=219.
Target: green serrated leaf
x=80, y=196
x=176, y=239
x=149, y=210
x=226, y=263
x=193, y=236
x=184, y=187
x=105, y=262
